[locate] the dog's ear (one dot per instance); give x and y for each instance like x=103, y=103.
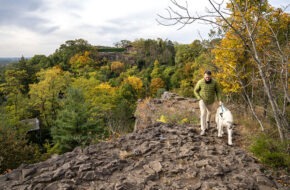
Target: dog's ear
x=235, y=124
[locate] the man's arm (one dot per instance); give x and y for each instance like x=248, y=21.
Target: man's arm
x=196, y=90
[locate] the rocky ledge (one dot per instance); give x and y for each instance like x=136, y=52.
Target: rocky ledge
x=161, y=156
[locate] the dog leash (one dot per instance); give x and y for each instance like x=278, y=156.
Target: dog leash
x=223, y=109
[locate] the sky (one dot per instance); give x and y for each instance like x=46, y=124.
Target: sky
x=34, y=27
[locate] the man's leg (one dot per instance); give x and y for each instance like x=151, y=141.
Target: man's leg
x=209, y=109
x=202, y=117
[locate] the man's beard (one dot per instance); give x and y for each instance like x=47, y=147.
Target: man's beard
x=207, y=82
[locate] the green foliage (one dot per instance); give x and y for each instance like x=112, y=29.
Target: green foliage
x=49, y=150
x=74, y=125
x=160, y=91
x=66, y=51
x=45, y=94
x=147, y=51
x=156, y=72
x=14, y=149
x=186, y=89
x=167, y=73
x=38, y=62
x=271, y=151
x=188, y=52
x=121, y=120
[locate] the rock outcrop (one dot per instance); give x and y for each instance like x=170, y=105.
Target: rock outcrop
x=163, y=156
x=157, y=155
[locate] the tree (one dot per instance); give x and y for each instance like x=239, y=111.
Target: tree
x=136, y=83
x=188, y=52
x=156, y=72
x=66, y=51
x=257, y=26
x=82, y=63
x=14, y=148
x=44, y=95
x=155, y=85
x=12, y=89
x=122, y=44
x=117, y=67
x=147, y=51
x=74, y=125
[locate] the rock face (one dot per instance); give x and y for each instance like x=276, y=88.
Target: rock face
x=161, y=156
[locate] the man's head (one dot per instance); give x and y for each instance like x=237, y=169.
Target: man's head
x=207, y=76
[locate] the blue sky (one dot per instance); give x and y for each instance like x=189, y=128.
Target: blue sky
x=30, y=27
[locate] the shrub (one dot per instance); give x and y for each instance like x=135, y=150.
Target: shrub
x=15, y=150
x=271, y=152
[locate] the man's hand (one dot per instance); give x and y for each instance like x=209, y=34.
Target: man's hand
x=196, y=100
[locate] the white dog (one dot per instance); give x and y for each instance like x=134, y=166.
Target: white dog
x=223, y=118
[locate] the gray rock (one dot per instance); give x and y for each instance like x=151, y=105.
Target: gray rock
x=183, y=160
x=28, y=172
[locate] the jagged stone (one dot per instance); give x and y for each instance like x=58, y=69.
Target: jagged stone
x=263, y=180
x=69, y=174
x=14, y=175
x=27, y=172
x=3, y=178
x=52, y=186
x=201, y=163
x=88, y=176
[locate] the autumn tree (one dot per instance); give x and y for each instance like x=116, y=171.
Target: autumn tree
x=156, y=72
x=82, y=63
x=155, y=85
x=12, y=88
x=263, y=33
x=67, y=50
x=44, y=95
x=136, y=83
x=117, y=67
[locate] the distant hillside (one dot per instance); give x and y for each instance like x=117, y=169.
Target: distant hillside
x=7, y=60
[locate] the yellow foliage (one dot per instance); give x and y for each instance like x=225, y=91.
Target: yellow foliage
x=98, y=95
x=136, y=83
x=162, y=119
x=80, y=60
x=117, y=67
x=184, y=121
x=156, y=83
x=44, y=94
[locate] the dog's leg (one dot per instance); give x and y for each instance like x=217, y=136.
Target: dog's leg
x=230, y=133
x=219, y=126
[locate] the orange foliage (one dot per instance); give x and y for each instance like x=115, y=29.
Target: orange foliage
x=117, y=67
x=156, y=83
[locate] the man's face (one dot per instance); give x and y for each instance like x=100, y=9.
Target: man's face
x=207, y=77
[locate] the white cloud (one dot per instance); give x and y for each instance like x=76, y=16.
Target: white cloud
x=40, y=26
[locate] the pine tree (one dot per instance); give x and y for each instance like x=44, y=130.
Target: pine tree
x=74, y=126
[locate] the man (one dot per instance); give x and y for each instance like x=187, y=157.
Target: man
x=205, y=91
